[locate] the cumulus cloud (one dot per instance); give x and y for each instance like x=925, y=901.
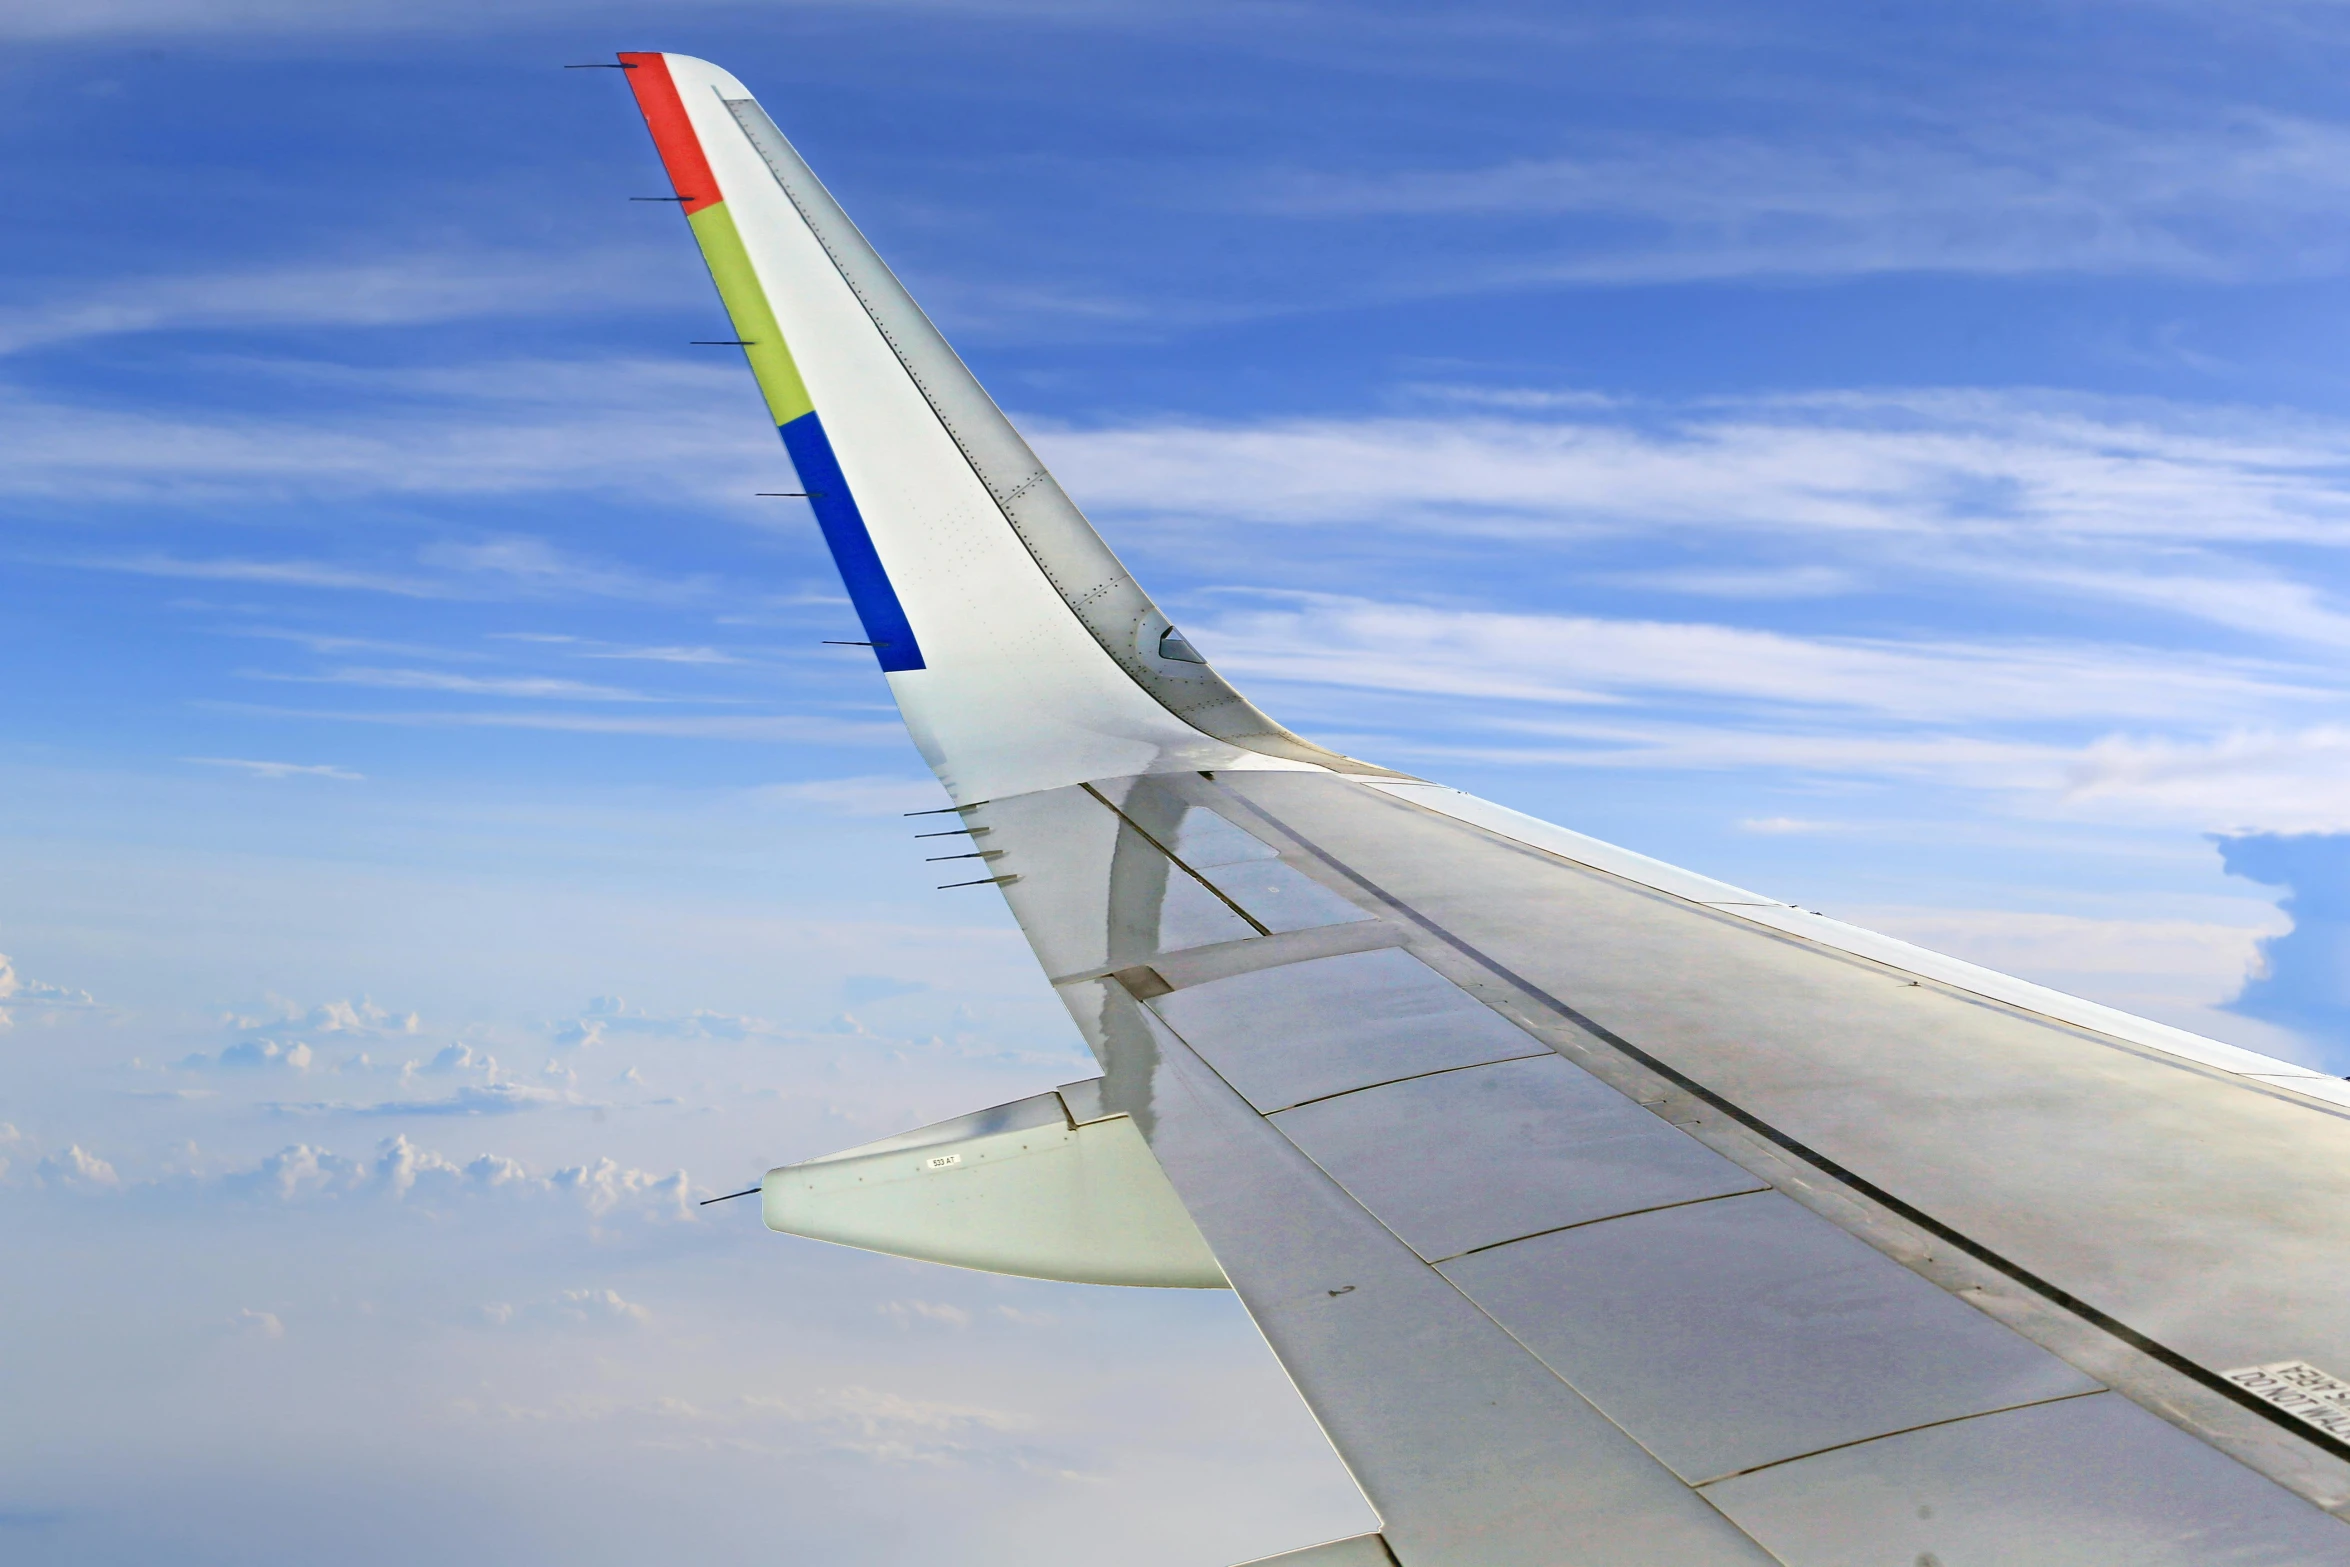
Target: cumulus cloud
x=33, y=1001
x=608, y=1017
x=253, y=1055
x=2302, y=980
x=350, y=1019
x=78, y=1169
x=2288, y=781
x=401, y=1171
x=905, y=1313
x=595, y=1308
x=606, y=1185
x=287, y=1036
x=259, y=1324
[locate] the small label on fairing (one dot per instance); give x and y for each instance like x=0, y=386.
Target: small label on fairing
x=943, y=1161
x=2300, y=1389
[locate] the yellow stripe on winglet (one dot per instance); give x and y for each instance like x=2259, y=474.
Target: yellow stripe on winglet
x=754, y=320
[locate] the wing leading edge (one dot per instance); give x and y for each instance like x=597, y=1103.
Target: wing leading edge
x=1602, y=1212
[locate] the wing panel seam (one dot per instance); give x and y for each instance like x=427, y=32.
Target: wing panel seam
x=2047, y=1289
x=1140, y=831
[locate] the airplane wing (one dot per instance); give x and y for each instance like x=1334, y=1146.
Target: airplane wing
x=1602, y=1212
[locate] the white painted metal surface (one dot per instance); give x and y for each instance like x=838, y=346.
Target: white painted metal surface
x=1364, y=1550
x=1016, y=1189
x=1017, y=695
x=1095, y=588
x=2090, y=1482
x=1472, y=1452
x=1732, y=1334
x=1841, y=937
x=1471, y=1158
x=1288, y=1035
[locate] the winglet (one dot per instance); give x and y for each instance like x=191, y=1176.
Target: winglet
x=1022, y=654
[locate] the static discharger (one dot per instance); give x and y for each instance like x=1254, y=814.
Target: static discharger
x=956, y=832
x=747, y=1191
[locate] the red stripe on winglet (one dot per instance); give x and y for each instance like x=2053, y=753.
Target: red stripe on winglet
x=673, y=133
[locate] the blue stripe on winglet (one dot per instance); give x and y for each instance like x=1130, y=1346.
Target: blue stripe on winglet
x=878, y=609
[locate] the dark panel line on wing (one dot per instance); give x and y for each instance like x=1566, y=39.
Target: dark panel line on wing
x=1253, y=922
x=1539, y=1052
x=1610, y=1218
x=2046, y=1289
x=1954, y=1420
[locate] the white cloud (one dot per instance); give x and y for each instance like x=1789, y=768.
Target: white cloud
x=667, y=655
x=607, y=1185
x=460, y=1057
x=500, y=569
x=1583, y=660
x=254, y=1055
x=2247, y=194
x=2208, y=957
x=272, y=573
x=33, y=1001
x=259, y=1324
x=905, y=1313
x=886, y=1427
x=340, y=1020
x=401, y=290
x=1787, y=582
x=2176, y=969
x=634, y=428
x=1967, y=467
x=400, y=1171
x=606, y=1016
x=120, y=19
x=882, y=795
x=2273, y=780
x=468, y=1100
x=77, y=1168
x=574, y=1308
x=280, y=769
x=760, y=729
x=540, y=686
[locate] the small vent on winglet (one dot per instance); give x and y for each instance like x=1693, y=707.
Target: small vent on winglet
x=1172, y=645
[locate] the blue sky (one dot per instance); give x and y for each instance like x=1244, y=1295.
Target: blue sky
x=1897, y=459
